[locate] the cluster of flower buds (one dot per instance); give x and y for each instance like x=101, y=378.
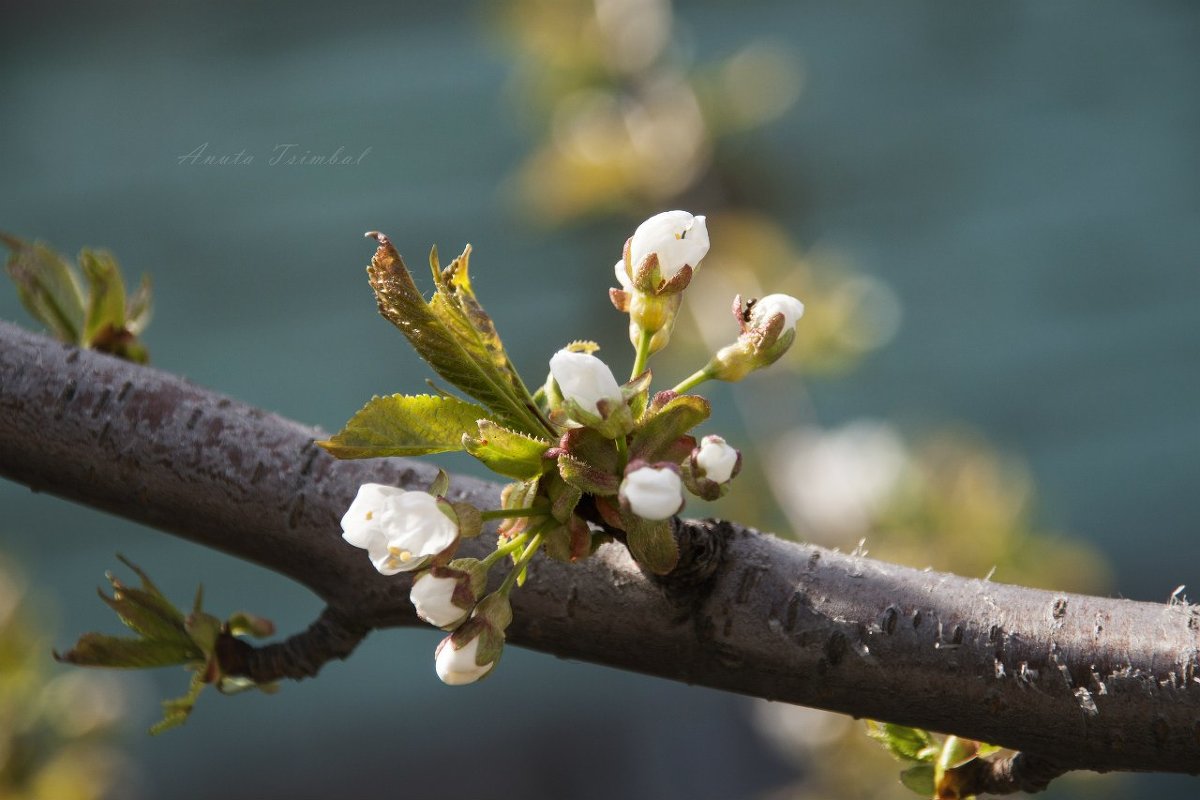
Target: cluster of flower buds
x=594, y=460
x=410, y=531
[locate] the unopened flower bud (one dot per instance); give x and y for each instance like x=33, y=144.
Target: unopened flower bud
x=677, y=241
x=716, y=459
x=444, y=596
x=652, y=493
x=768, y=330
x=459, y=663
x=585, y=380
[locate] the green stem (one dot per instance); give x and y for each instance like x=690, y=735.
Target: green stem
x=503, y=550
x=643, y=354
x=695, y=379
x=523, y=561
x=622, y=451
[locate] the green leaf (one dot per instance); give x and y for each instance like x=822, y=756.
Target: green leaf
x=454, y=335
x=205, y=630
x=651, y=543
x=139, y=307
x=919, y=778
x=176, y=711
x=658, y=435
x=907, y=744
x=145, y=614
x=48, y=287
x=106, y=295
x=405, y=425
x=507, y=452
x=99, y=650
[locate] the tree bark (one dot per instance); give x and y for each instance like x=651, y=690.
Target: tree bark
x=1075, y=682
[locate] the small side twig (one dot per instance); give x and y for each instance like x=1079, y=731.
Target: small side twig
x=334, y=635
x=1020, y=772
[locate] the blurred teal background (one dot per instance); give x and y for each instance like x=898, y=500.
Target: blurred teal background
x=1023, y=175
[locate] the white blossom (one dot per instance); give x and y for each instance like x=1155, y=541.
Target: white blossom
x=716, y=458
x=653, y=493
x=677, y=237
x=767, y=307
x=399, y=530
x=622, y=276
x=433, y=597
x=585, y=379
x=458, y=667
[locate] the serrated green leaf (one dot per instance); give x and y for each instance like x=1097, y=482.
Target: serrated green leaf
x=205, y=630
x=651, y=543
x=658, y=435
x=145, y=614
x=454, y=336
x=919, y=779
x=507, y=452
x=105, y=296
x=48, y=287
x=177, y=710
x=907, y=744
x=99, y=650
x=405, y=425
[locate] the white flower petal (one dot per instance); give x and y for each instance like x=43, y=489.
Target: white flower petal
x=362, y=522
x=415, y=528
x=653, y=493
x=716, y=458
x=677, y=237
x=458, y=667
x=433, y=597
x=622, y=276
x=767, y=307
x=585, y=379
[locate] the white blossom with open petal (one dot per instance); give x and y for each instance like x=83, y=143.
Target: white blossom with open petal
x=678, y=238
x=400, y=530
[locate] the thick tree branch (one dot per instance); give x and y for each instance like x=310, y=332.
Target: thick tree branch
x=1076, y=682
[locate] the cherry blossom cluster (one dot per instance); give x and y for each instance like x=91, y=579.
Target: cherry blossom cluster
x=594, y=460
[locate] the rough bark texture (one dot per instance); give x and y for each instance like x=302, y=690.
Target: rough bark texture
x=1076, y=682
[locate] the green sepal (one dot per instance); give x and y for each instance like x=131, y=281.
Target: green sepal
x=243, y=623
x=903, y=742
x=440, y=484
x=453, y=334
x=405, y=425
x=651, y=543
x=636, y=392
x=507, y=452
x=563, y=496
x=100, y=650
x=470, y=519
x=586, y=477
x=569, y=542
x=48, y=287
x=660, y=434
x=919, y=778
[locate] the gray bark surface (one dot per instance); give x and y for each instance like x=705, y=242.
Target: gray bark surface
x=1076, y=681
